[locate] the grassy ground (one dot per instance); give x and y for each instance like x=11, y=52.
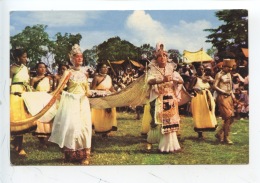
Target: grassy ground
x=127, y=147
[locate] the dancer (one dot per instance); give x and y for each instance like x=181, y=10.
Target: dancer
x=72, y=127
x=19, y=77
x=225, y=98
x=42, y=83
x=202, y=104
x=164, y=95
x=61, y=69
x=104, y=120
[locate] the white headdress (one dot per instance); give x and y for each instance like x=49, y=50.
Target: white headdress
x=157, y=47
x=75, y=49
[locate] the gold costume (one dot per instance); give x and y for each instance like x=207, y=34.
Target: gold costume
x=203, y=108
x=18, y=111
x=104, y=120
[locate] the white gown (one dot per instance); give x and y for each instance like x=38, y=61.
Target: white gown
x=72, y=127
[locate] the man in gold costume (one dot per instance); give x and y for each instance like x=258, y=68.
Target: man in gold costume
x=225, y=99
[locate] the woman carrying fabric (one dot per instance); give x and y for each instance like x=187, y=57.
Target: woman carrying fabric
x=202, y=104
x=42, y=83
x=61, y=69
x=19, y=77
x=72, y=127
x=164, y=95
x=104, y=120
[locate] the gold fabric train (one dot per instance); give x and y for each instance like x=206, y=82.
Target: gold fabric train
x=137, y=93
x=134, y=94
x=55, y=94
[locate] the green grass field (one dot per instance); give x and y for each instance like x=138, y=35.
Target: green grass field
x=128, y=147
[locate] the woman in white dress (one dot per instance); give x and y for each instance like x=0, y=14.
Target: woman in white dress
x=72, y=126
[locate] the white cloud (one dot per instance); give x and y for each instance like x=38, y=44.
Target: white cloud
x=185, y=35
x=144, y=29
x=190, y=35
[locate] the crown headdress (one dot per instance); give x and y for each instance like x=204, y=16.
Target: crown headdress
x=75, y=49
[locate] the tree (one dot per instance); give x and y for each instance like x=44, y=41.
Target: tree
x=211, y=52
x=34, y=40
x=174, y=55
x=62, y=46
x=90, y=56
x=233, y=34
x=146, y=49
x=116, y=49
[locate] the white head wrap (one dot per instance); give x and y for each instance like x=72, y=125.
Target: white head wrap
x=157, y=47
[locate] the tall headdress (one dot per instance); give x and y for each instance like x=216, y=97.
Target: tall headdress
x=75, y=50
x=158, y=49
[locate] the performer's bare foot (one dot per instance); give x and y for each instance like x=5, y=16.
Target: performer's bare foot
x=149, y=146
x=22, y=153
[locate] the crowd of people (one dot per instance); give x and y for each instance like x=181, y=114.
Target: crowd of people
x=215, y=90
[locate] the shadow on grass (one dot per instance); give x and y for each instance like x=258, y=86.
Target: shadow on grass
x=122, y=141
x=196, y=140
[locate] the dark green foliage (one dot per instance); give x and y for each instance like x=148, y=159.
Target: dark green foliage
x=33, y=39
x=116, y=49
x=63, y=45
x=232, y=35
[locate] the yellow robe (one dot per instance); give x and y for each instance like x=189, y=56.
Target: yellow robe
x=203, y=108
x=147, y=118
x=104, y=120
x=20, y=83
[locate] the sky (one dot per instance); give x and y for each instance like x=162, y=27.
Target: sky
x=177, y=29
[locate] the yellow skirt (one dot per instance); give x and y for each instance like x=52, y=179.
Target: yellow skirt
x=18, y=112
x=203, y=112
x=103, y=120
x=146, y=120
